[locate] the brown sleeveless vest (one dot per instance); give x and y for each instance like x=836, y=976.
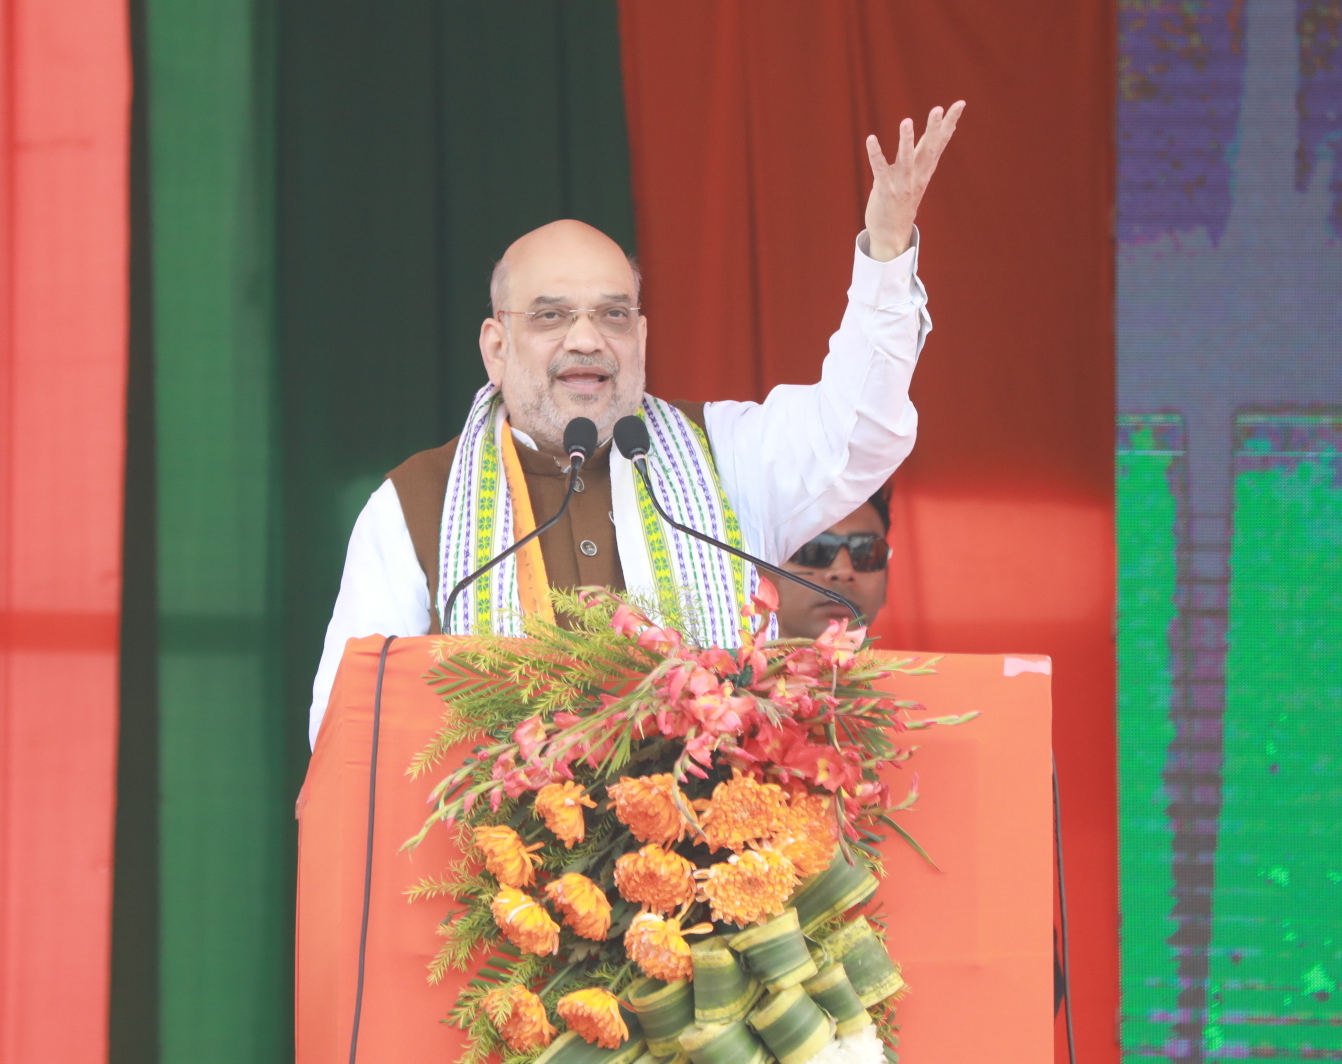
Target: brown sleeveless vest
x=579, y=551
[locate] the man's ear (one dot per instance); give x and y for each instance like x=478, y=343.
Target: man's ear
x=493, y=342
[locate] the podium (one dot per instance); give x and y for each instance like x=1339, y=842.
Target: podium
x=973, y=935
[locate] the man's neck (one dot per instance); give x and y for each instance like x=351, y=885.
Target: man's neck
x=527, y=440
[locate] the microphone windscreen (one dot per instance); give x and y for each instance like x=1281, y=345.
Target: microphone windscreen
x=580, y=437
x=631, y=437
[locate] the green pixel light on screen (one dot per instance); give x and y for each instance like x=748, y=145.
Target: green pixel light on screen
x=1276, y=951
x=1150, y=461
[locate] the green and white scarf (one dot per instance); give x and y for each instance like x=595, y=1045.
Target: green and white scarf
x=659, y=563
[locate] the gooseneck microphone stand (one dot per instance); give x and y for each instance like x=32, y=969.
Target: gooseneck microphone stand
x=580, y=443
x=633, y=441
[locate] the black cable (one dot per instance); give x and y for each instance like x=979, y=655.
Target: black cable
x=1062, y=915
x=368, y=858
x=641, y=464
x=575, y=466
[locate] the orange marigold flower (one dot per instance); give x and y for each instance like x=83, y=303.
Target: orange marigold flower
x=657, y=945
x=582, y=903
x=646, y=805
x=748, y=886
x=655, y=878
x=744, y=810
x=524, y=923
x=561, y=804
x=507, y=856
x=594, y=1014
x=519, y=1017
x=809, y=833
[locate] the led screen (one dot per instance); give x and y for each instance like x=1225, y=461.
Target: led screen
x=1229, y=502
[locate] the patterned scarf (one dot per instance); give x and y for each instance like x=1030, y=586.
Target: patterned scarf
x=679, y=573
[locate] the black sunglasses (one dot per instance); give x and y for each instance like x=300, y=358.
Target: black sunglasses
x=869, y=551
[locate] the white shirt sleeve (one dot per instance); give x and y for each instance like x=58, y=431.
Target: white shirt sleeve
x=809, y=455
x=382, y=591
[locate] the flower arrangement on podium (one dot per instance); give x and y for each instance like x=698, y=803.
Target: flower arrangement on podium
x=667, y=844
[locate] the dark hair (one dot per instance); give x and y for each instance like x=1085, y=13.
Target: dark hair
x=881, y=505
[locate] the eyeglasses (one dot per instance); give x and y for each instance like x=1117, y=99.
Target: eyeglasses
x=869, y=551
x=613, y=319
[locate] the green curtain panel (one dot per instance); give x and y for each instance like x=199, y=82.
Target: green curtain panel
x=324, y=191
x=225, y=806
x=416, y=142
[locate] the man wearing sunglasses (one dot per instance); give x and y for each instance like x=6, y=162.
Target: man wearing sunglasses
x=849, y=557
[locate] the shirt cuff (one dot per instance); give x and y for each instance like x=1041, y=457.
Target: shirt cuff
x=883, y=284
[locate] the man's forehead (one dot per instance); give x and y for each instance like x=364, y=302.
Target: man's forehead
x=567, y=258
x=561, y=278
x=567, y=300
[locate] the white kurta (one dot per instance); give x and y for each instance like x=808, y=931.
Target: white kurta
x=791, y=466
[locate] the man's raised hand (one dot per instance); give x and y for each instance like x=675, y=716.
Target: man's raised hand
x=898, y=187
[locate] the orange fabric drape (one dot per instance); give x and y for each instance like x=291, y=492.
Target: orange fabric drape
x=746, y=121
x=980, y=981
x=64, y=98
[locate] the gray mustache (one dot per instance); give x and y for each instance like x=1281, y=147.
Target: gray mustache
x=607, y=366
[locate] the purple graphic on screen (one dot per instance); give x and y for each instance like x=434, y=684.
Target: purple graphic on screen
x=1319, y=98
x=1179, y=74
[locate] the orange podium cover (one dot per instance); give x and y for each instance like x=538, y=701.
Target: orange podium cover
x=974, y=936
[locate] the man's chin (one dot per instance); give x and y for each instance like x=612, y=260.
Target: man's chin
x=596, y=407
x=604, y=409
x=831, y=612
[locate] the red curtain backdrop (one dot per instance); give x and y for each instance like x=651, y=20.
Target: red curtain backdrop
x=746, y=124
x=65, y=88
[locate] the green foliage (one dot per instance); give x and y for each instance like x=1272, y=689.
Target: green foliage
x=495, y=684
x=506, y=967
x=506, y=696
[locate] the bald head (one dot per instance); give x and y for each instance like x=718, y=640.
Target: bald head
x=583, y=247
x=566, y=338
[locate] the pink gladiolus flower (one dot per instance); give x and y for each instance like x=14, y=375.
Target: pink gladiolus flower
x=765, y=598
x=804, y=662
x=671, y=721
x=664, y=641
x=771, y=742
x=838, y=647
x=702, y=681
x=871, y=792
x=826, y=767
x=750, y=657
x=529, y=737
x=675, y=682
x=718, y=661
x=531, y=776
x=787, y=689
x=628, y=621
x=713, y=705
x=700, y=748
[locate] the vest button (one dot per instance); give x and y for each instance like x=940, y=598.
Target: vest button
x=587, y=547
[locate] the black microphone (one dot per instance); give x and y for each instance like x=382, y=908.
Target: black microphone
x=579, y=443
x=633, y=441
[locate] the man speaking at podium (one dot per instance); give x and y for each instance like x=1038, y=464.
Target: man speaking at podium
x=567, y=340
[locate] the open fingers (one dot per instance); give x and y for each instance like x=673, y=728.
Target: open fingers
x=906, y=148
x=940, y=127
x=875, y=156
x=952, y=116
